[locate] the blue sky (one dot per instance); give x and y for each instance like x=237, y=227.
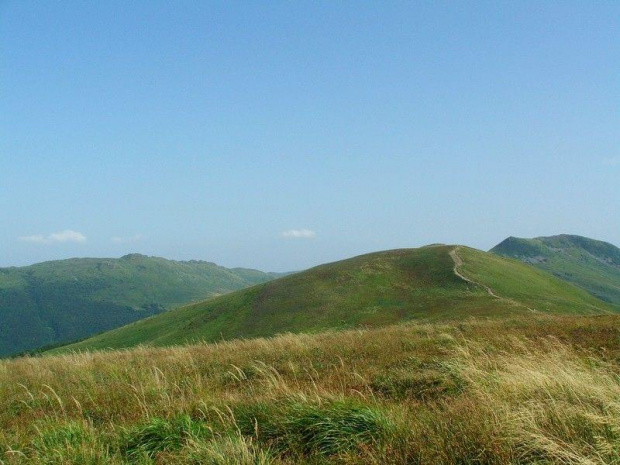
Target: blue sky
x=279, y=135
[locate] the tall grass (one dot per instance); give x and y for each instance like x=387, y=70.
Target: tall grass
x=536, y=390
x=557, y=403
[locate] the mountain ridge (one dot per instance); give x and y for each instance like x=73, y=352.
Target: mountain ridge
x=62, y=300
x=590, y=264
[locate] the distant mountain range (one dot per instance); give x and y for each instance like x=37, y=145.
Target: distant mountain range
x=438, y=282
x=53, y=303
x=60, y=301
x=590, y=264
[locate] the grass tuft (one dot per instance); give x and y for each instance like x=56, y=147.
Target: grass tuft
x=74, y=442
x=233, y=449
x=334, y=428
x=328, y=428
x=159, y=435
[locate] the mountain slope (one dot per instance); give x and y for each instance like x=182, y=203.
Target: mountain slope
x=434, y=282
x=590, y=264
x=64, y=300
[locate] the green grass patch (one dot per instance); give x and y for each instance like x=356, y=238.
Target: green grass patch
x=160, y=435
x=73, y=442
x=325, y=429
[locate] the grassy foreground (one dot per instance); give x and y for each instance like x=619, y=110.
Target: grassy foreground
x=527, y=389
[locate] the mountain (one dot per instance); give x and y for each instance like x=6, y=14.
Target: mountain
x=436, y=282
x=590, y=264
x=59, y=301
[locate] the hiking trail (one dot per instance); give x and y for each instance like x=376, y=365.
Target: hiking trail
x=458, y=263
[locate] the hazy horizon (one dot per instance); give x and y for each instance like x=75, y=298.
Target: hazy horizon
x=333, y=259
x=282, y=136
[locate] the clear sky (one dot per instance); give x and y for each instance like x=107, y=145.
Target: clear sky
x=280, y=135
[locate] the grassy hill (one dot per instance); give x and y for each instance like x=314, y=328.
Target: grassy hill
x=65, y=300
x=590, y=264
x=366, y=291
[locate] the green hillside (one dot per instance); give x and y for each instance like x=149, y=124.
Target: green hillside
x=370, y=290
x=590, y=264
x=65, y=300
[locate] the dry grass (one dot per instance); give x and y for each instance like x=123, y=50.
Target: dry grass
x=556, y=402
x=542, y=390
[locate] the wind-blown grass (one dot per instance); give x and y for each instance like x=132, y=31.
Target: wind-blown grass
x=556, y=403
x=522, y=390
x=306, y=427
x=158, y=435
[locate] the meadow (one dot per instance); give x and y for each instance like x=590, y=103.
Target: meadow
x=524, y=389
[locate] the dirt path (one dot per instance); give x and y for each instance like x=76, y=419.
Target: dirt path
x=458, y=263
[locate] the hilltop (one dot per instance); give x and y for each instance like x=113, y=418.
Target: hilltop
x=433, y=283
x=59, y=301
x=590, y=264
